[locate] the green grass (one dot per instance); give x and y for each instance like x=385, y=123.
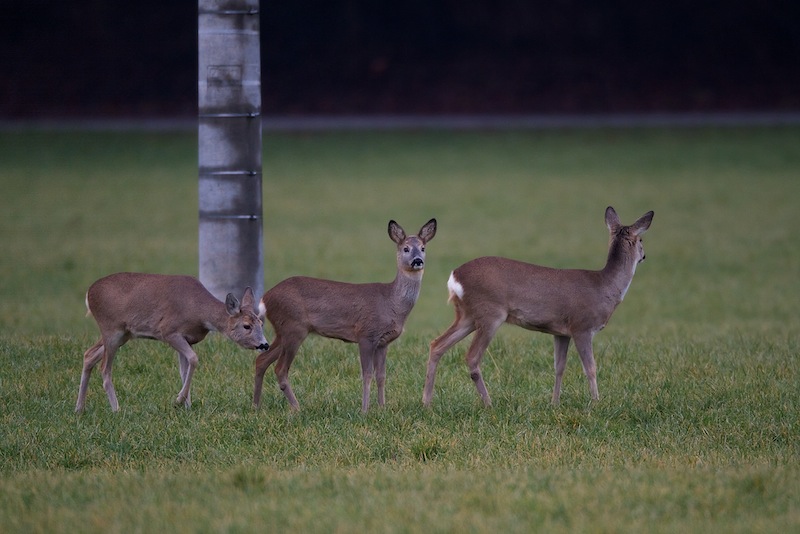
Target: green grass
x=696, y=430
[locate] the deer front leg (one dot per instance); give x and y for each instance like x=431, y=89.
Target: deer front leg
x=583, y=342
x=367, y=352
x=380, y=373
x=188, y=359
x=561, y=345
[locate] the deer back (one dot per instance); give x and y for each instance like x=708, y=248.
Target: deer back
x=351, y=312
x=156, y=306
x=557, y=301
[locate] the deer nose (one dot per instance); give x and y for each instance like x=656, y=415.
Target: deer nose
x=263, y=346
x=417, y=263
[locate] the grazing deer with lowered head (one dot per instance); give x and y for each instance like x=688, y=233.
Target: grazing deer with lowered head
x=567, y=303
x=371, y=315
x=177, y=310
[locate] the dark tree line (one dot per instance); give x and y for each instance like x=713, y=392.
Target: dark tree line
x=435, y=56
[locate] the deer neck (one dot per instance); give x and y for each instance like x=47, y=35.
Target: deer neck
x=619, y=270
x=405, y=290
x=216, y=318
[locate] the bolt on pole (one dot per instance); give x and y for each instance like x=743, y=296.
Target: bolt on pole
x=229, y=146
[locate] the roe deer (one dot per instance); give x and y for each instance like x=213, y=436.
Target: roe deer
x=174, y=309
x=567, y=303
x=371, y=315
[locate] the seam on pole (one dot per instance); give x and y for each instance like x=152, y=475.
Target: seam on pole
x=251, y=11
x=249, y=115
x=250, y=85
x=243, y=82
x=239, y=217
x=230, y=173
x=204, y=31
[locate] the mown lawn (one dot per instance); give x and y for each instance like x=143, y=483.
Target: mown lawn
x=696, y=429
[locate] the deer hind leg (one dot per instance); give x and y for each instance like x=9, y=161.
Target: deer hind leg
x=188, y=364
x=110, y=344
x=461, y=328
x=90, y=358
x=263, y=361
x=183, y=365
x=561, y=345
x=583, y=342
x=284, y=361
x=483, y=336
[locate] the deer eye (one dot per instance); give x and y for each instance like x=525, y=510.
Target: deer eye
x=406, y=249
x=247, y=327
x=422, y=249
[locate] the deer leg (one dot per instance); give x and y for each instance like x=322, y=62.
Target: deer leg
x=561, y=345
x=110, y=350
x=188, y=359
x=583, y=342
x=263, y=361
x=460, y=329
x=483, y=336
x=183, y=365
x=380, y=373
x=90, y=358
x=282, y=371
x=367, y=352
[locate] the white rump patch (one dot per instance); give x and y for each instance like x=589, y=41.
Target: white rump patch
x=454, y=287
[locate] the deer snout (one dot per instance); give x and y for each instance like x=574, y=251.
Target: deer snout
x=417, y=263
x=264, y=346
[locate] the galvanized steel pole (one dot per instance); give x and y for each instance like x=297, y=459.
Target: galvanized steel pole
x=229, y=143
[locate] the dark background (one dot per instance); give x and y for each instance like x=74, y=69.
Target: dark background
x=328, y=57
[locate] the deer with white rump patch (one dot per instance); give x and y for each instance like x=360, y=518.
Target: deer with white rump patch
x=567, y=303
x=177, y=310
x=372, y=315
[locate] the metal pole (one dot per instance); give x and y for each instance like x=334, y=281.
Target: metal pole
x=229, y=143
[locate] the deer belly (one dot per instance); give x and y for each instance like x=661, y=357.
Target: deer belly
x=553, y=326
x=333, y=333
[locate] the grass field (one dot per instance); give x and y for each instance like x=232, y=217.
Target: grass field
x=697, y=426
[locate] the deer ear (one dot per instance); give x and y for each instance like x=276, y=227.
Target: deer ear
x=612, y=219
x=427, y=232
x=248, y=299
x=396, y=232
x=232, y=305
x=641, y=226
